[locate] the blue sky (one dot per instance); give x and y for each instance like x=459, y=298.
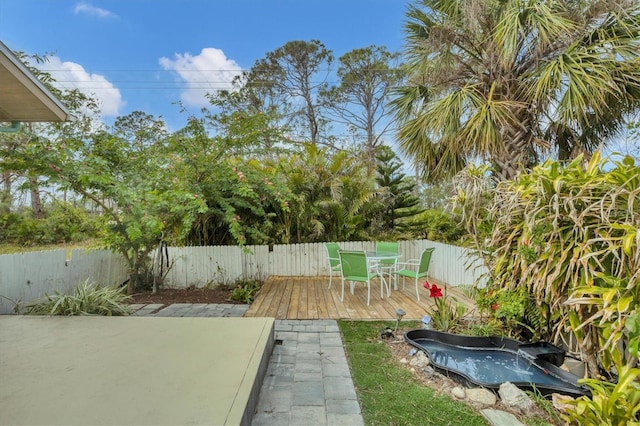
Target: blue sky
x=148, y=54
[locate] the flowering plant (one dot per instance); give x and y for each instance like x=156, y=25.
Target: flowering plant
x=434, y=290
x=445, y=316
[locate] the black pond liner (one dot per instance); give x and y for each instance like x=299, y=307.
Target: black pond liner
x=491, y=361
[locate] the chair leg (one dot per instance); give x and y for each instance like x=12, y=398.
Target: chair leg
x=330, y=276
x=368, y=292
x=417, y=290
x=342, y=295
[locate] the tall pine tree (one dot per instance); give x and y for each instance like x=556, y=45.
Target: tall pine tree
x=400, y=202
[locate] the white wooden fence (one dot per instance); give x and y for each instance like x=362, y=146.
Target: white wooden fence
x=25, y=277
x=29, y=276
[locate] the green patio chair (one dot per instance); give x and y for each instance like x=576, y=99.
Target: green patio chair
x=389, y=266
x=416, y=269
x=355, y=268
x=334, y=259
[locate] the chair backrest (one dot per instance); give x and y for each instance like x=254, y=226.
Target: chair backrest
x=388, y=247
x=332, y=254
x=425, y=259
x=354, y=264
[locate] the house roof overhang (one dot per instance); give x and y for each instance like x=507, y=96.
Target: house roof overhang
x=23, y=98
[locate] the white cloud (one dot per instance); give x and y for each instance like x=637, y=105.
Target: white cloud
x=69, y=75
x=205, y=73
x=93, y=11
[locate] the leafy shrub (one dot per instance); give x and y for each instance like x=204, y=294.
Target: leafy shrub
x=67, y=223
x=484, y=329
x=245, y=292
x=88, y=299
x=610, y=403
x=435, y=225
x=63, y=223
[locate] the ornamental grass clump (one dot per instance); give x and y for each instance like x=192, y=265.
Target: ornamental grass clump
x=88, y=299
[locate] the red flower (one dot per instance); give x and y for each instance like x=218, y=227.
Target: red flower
x=495, y=306
x=435, y=291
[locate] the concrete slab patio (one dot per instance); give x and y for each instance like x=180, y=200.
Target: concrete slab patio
x=128, y=370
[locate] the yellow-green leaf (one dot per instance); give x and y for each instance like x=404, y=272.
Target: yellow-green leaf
x=624, y=303
x=627, y=244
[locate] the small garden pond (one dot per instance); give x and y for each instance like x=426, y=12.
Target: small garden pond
x=491, y=361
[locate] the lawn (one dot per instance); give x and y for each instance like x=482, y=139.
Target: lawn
x=389, y=393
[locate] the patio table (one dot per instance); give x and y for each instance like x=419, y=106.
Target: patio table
x=377, y=256
x=374, y=258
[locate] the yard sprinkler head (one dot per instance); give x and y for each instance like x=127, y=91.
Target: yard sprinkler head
x=399, y=314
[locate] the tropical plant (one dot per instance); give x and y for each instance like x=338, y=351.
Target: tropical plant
x=88, y=299
x=611, y=403
x=567, y=237
x=243, y=193
x=330, y=194
x=512, y=81
x=512, y=309
x=125, y=175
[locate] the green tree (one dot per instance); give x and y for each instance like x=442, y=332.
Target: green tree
x=17, y=148
x=125, y=175
x=509, y=81
x=330, y=193
x=243, y=194
x=297, y=70
x=398, y=202
x=359, y=101
x=255, y=110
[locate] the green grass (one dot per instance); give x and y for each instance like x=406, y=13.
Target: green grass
x=389, y=394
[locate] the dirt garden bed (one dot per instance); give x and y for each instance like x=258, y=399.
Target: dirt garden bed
x=188, y=295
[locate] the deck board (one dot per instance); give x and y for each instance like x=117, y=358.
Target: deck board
x=310, y=298
x=281, y=310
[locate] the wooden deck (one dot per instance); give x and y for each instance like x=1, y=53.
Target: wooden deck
x=310, y=298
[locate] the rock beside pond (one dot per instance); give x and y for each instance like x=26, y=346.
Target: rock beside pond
x=458, y=392
x=481, y=396
x=430, y=372
x=498, y=417
x=420, y=360
x=559, y=401
x=516, y=398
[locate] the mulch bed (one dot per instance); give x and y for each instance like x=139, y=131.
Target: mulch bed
x=168, y=296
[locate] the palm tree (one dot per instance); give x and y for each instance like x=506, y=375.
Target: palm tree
x=330, y=191
x=510, y=81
